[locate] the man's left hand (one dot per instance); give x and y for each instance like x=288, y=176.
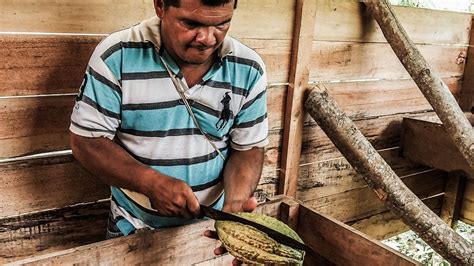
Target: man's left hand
x=234, y=206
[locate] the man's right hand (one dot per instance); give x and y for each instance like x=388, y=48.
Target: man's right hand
x=173, y=198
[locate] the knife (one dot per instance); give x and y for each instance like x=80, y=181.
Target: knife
x=277, y=236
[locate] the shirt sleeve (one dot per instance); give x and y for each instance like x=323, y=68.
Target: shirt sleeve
x=251, y=123
x=97, y=111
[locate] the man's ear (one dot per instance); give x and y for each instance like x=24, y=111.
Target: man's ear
x=159, y=8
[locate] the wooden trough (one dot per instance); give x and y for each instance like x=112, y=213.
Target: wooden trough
x=332, y=242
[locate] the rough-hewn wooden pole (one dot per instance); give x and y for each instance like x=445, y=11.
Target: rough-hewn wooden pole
x=435, y=90
x=384, y=182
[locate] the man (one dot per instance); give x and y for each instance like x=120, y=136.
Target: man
x=172, y=113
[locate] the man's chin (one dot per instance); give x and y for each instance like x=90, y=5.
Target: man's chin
x=197, y=58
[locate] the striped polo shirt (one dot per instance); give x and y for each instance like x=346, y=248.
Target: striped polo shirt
x=128, y=96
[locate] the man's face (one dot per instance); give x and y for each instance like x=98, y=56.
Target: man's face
x=193, y=32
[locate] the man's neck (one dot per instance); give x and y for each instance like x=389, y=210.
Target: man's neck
x=193, y=73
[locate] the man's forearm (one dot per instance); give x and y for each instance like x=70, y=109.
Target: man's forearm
x=111, y=163
x=241, y=175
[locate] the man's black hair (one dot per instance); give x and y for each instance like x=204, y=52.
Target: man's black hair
x=175, y=3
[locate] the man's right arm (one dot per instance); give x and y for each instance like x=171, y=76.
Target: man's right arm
x=113, y=165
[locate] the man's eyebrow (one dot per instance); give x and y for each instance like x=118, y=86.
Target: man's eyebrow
x=197, y=23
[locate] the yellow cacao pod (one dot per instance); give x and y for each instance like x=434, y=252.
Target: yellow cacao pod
x=252, y=246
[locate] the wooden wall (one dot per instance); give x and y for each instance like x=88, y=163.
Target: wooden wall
x=352, y=59
x=49, y=202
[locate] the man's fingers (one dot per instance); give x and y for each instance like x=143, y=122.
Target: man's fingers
x=193, y=204
x=220, y=250
x=250, y=205
x=236, y=262
x=211, y=234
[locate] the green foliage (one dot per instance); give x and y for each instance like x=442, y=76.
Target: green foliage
x=410, y=244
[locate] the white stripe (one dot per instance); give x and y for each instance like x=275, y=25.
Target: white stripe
x=175, y=146
x=91, y=118
x=119, y=211
x=148, y=91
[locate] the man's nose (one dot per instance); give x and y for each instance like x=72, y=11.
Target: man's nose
x=206, y=37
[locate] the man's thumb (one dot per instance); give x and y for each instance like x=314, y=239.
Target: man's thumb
x=250, y=204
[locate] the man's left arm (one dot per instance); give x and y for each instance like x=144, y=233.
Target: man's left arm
x=241, y=175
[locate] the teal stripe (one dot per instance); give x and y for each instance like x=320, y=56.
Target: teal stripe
x=195, y=174
x=158, y=119
x=103, y=95
x=154, y=221
x=141, y=60
x=254, y=111
x=243, y=76
x=170, y=118
x=114, y=63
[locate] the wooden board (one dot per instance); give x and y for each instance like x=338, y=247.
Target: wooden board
x=382, y=132
x=336, y=175
x=31, y=125
x=87, y=16
x=359, y=203
x=163, y=246
x=349, y=21
x=467, y=210
x=428, y=143
x=43, y=64
x=387, y=224
x=467, y=96
x=358, y=61
x=172, y=245
x=297, y=90
x=52, y=230
x=39, y=124
x=91, y=16
x=42, y=184
x=333, y=239
x=362, y=100
x=52, y=64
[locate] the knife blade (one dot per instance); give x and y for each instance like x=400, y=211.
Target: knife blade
x=277, y=236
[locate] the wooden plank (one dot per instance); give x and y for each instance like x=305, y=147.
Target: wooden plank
x=86, y=16
x=336, y=175
x=387, y=224
x=359, y=203
x=40, y=124
x=349, y=21
x=90, y=16
x=52, y=230
x=384, y=97
x=262, y=13
x=49, y=183
x=52, y=64
x=171, y=246
x=359, y=61
x=43, y=64
x=294, y=110
x=29, y=125
x=467, y=94
x=453, y=196
x=467, y=210
x=342, y=244
x=428, y=143
x=382, y=132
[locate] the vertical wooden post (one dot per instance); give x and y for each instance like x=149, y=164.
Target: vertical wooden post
x=467, y=93
x=289, y=213
x=453, y=197
x=298, y=81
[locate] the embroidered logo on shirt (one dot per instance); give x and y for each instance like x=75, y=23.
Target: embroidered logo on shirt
x=225, y=114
